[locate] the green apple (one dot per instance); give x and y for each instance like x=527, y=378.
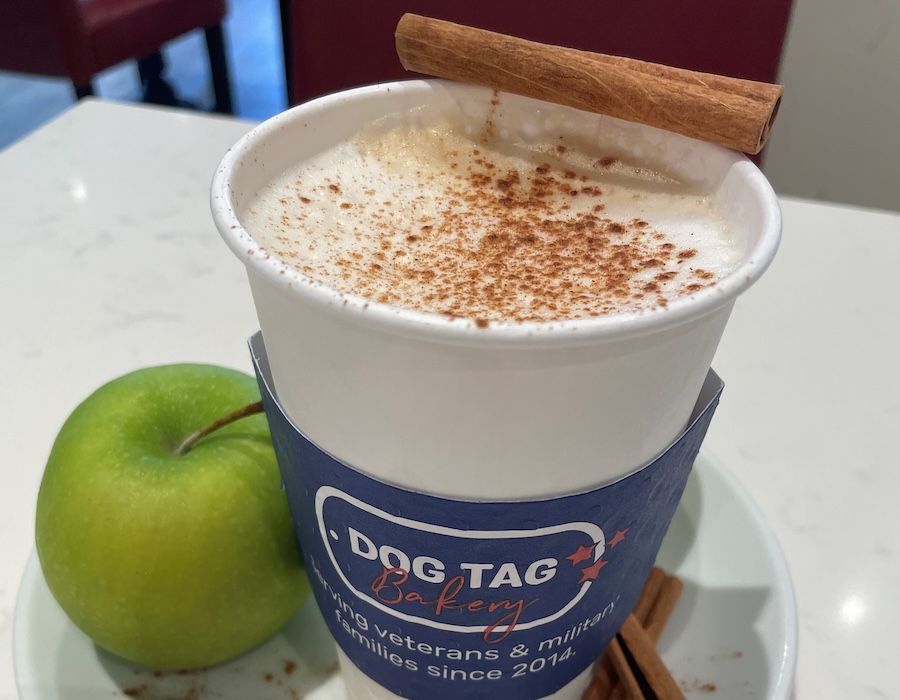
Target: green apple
x=170, y=560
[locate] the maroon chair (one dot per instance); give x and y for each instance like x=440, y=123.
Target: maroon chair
x=336, y=44
x=76, y=39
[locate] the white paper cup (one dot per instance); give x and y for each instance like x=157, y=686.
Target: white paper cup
x=508, y=412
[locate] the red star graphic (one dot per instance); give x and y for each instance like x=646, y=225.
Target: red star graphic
x=591, y=572
x=581, y=554
x=618, y=537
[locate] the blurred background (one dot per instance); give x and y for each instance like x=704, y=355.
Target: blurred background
x=837, y=137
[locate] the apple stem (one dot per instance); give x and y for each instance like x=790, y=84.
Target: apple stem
x=192, y=439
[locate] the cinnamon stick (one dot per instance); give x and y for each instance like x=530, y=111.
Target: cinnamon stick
x=653, y=622
x=731, y=112
x=669, y=593
x=643, y=650
x=605, y=679
x=650, y=594
x=623, y=669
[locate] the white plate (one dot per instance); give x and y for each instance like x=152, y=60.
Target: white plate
x=734, y=630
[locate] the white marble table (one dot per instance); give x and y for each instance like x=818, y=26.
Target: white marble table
x=110, y=262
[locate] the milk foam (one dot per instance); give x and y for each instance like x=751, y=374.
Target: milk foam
x=493, y=216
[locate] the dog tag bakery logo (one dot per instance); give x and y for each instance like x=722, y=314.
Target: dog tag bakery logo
x=482, y=582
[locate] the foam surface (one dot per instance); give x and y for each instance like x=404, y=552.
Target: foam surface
x=496, y=217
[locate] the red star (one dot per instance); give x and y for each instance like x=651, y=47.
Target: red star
x=618, y=537
x=591, y=572
x=581, y=554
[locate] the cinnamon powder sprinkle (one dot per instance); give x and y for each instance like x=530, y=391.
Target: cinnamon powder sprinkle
x=527, y=263
x=498, y=244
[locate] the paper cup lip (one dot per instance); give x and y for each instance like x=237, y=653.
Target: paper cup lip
x=447, y=329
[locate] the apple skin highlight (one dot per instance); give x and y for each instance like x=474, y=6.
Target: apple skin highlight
x=169, y=561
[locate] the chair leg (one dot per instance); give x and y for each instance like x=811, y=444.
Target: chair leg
x=151, y=67
x=156, y=88
x=218, y=63
x=83, y=90
x=284, y=7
